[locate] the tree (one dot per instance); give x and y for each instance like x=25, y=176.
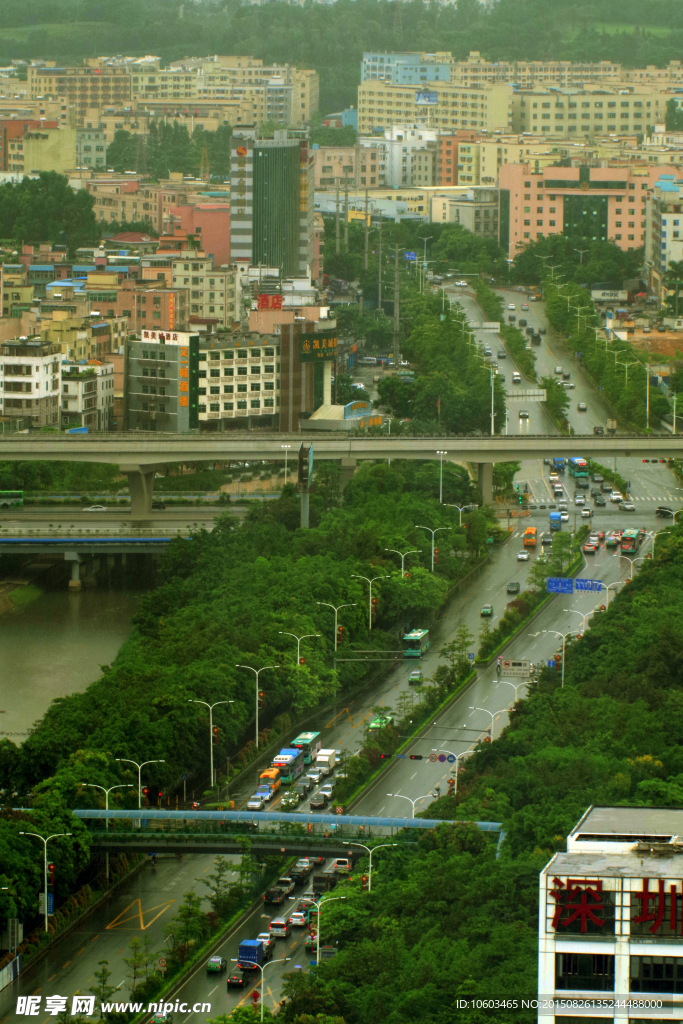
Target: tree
x=137, y=963
x=674, y=117
x=224, y=894
x=562, y=547
x=673, y=278
x=103, y=991
x=477, y=527
x=556, y=397
x=188, y=927
x=46, y=209
x=457, y=650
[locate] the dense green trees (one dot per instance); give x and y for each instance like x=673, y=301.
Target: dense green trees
x=566, y=259
x=170, y=147
x=46, y=209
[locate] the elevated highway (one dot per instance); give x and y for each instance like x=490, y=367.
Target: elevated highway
x=141, y=455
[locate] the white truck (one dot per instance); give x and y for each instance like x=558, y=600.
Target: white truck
x=326, y=761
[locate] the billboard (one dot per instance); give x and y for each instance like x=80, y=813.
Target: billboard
x=318, y=345
x=426, y=99
x=352, y=409
x=409, y=255
x=604, y=296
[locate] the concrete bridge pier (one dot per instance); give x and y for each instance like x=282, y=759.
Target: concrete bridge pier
x=486, y=481
x=141, y=487
x=348, y=468
x=75, y=581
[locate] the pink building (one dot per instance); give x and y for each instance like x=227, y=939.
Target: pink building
x=210, y=223
x=585, y=203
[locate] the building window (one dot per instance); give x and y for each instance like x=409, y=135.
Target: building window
x=656, y=973
x=255, y=403
x=551, y=223
x=584, y=971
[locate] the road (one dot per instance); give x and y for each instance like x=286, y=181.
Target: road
x=57, y=518
x=71, y=964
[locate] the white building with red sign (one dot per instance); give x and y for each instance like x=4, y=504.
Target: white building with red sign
x=611, y=920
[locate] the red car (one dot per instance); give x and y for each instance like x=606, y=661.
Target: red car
x=236, y=981
x=590, y=549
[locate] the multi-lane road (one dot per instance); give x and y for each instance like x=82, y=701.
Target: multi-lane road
x=145, y=904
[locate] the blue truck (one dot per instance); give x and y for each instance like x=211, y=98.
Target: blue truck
x=555, y=521
x=250, y=954
x=559, y=464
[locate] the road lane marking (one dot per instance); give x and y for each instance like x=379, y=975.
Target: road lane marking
x=213, y=990
x=50, y=979
x=139, y=915
x=96, y=937
x=80, y=951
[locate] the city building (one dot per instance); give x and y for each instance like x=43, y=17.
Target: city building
x=161, y=384
x=610, y=923
x=476, y=209
x=206, y=223
x=211, y=291
x=271, y=216
x=91, y=147
x=42, y=148
x=406, y=68
x=87, y=395
x=80, y=86
x=619, y=109
x=664, y=234
x=30, y=381
x=585, y=203
x=335, y=165
x=239, y=380
x=82, y=337
x=443, y=106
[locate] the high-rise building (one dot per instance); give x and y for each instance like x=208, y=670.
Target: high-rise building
x=663, y=235
x=271, y=219
x=162, y=382
x=30, y=381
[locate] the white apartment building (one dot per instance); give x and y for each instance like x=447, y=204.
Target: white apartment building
x=405, y=156
x=611, y=919
x=242, y=378
x=211, y=290
x=88, y=395
x=663, y=229
x=30, y=381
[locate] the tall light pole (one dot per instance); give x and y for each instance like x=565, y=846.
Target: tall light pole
x=658, y=533
x=441, y=455
x=286, y=448
x=210, y=707
x=564, y=637
x=515, y=686
x=403, y=556
x=464, y=753
x=121, y=785
x=424, y=264
x=371, y=850
x=262, y=967
x=44, y=841
x=399, y=796
x=461, y=510
x=369, y=581
x=581, y=252
x=493, y=718
x=575, y=611
x=336, y=608
x=608, y=587
x=139, y=767
x=298, y=639
x=433, y=532
x=318, y=907
x=635, y=362
x=257, y=672
x=632, y=561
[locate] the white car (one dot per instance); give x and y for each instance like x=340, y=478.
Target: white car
x=564, y=517
x=522, y=556
x=586, y=513
x=255, y=802
x=326, y=790
x=315, y=775
x=511, y=305
x=558, y=369
x=96, y=508
x=579, y=499
x=566, y=384
x=298, y=919
x=616, y=497
x=461, y=284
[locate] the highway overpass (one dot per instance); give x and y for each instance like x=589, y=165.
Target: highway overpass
x=140, y=455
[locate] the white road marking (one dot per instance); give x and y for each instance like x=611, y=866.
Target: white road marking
x=413, y=776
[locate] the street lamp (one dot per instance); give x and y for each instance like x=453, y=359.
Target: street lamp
x=461, y=509
x=286, y=448
x=581, y=252
x=210, y=707
x=635, y=362
x=318, y=907
x=441, y=455
x=262, y=967
x=608, y=587
x=632, y=561
x=464, y=753
x=575, y=611
x=404, y=555
x=57, y=835
x=658, y=533
x=139, y=767
x=257, y=672
x=429, y=530
x=506, y=682
x=493, y=718
x=120, y=785
x=355, y=576
x=564, y=637
x=337, y=609
x=400, y=796
x=371, y=850
x=298, y=639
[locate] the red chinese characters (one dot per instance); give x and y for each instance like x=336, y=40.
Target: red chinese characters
x=270, y=302
x=581, y=900
x=653, y=906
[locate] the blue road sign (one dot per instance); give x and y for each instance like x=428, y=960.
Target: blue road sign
x=559, y=585
x=184, y=776
x=551, y=663
x=409, y=255
x=442, y=758
x=471, y=657
x=450, y=758
x=588, y=584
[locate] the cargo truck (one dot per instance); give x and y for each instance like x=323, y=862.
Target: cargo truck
x=555, y=521
x=326, y=761
x=323, y=883
x=250, y=954
x=559, y=464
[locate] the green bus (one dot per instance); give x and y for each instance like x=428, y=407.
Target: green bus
x=310, y=743
x=8, y=498
x=378, y=724
x=415, y=643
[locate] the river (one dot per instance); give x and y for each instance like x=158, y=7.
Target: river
x=54, y=647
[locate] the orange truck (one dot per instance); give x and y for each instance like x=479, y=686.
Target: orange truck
x=529, y=537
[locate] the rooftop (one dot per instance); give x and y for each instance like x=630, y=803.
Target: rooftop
x=621, y=824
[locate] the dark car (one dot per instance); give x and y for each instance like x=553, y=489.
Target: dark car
x=513, y=588
x=542, y=330
x=318, y=802
x=605, y=487
x=566, y=375
x=665, y=512
x=597, y=479
x=303, y=786
x=317, y=862
x=581, y=483
x=274, y=895
x=502, y=354
x=529, y=330
x=595, y=491
x=599, y=431
x=158, y=506
x=522, y=323
x=237, y=981
x=601, y=501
